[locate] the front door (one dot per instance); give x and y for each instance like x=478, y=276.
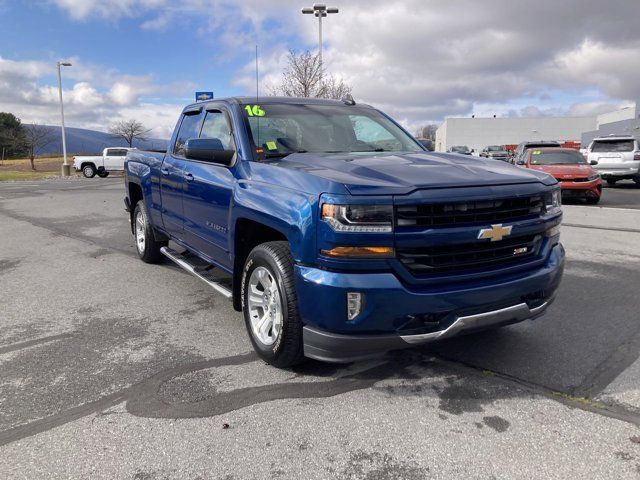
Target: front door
x=207, y=194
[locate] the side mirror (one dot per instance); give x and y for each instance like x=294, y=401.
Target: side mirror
x=593, y=162
x=208, y=150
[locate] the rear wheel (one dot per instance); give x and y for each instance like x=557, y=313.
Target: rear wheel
x=269, y=305
x=146, y=245
x=593, y=200
x=637, y=179
x=103, y=174
x=611, y=182
x=89, y=171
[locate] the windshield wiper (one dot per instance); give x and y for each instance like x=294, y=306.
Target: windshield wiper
x=373, y=150
x=282, y=154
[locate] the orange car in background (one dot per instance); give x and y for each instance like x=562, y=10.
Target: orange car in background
x=578, y=180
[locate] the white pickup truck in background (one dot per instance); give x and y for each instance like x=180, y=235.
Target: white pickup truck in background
x=111, y=160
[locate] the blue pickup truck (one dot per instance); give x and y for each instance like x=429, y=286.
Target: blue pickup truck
x=337, y=234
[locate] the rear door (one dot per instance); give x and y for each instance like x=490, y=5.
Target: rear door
x=114, y=159
x=208, y=190
x=172, y=174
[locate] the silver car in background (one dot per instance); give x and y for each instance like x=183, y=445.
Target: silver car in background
x=617, y=157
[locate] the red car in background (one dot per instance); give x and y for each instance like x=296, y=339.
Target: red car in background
x=577, y=178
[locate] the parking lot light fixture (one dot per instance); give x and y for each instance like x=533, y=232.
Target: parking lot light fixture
x=319, y=10
x=66, y=169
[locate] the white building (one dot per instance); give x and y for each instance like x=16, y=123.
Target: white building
x=477, y=133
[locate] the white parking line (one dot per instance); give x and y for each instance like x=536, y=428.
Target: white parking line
x=599, y=208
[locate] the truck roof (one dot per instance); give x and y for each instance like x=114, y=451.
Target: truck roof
x=267, y=100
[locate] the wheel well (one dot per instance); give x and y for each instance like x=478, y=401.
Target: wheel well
x=135, y=195
x=248, y=235
x=84, y=164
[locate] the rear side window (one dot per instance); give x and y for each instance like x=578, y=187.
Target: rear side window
x=190, y=128
x=217, y=126
x=116, y=152
x=613, y=146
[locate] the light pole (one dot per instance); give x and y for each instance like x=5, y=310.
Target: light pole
x=66, y=169
x=319, y=10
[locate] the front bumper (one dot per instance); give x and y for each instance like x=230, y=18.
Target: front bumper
x=592, y=189
x=328, y=336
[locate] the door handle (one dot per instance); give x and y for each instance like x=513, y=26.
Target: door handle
x=164, y=171
x=188, y=177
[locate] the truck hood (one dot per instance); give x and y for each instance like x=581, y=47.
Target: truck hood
x=397, y=174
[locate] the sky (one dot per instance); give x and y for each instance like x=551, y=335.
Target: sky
x=418, y=60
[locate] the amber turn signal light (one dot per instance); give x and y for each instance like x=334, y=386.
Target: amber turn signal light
x=359, y=252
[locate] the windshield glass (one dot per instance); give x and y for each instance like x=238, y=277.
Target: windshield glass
x=540, y=157
x=612, y=146
x=495, y=148
x=282, y=129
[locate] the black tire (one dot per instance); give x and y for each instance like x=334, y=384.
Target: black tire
x=611, y=182
x=637, y=179
x=89, y=170
x=287, y=349
x=593, y=200
x=103, y=174
x=149, y=249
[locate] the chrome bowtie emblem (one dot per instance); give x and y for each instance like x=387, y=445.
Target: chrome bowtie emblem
x=495, y=233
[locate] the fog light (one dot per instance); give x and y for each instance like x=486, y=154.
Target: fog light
x=354, y=304
x=553, y=231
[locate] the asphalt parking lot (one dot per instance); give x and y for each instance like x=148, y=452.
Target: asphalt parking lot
x=112, y=368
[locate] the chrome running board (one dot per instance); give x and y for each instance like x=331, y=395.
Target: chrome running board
x=195, y=267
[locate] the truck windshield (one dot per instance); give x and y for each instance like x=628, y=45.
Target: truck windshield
x=282, y=129
x=539, y=157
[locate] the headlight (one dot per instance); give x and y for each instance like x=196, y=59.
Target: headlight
x=593, y=176
x=553, y=201
x=359, y=218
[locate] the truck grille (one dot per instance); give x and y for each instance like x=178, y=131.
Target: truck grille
x=474, y=212
x=469, y=256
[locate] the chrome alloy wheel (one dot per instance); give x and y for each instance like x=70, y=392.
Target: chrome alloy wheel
x=265, y=306
x=140, y=229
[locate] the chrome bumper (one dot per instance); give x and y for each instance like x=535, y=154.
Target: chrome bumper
x=513, y=314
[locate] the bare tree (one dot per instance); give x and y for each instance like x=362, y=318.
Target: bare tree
x=129, y=130
x=304, y=76
x=35, y=138
x=428, y=132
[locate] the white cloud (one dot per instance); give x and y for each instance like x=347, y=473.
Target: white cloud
x=29, y=90
x=421, y=60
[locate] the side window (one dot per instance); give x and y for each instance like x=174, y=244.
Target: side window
x=373, y=134
x=188, y=129
x=116, y=153
x=217, y=126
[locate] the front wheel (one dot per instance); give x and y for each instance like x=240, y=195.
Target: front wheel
x=637, y=179
x=269, y=305
x=593, y=200
x=611, y=182
x=146, y=245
